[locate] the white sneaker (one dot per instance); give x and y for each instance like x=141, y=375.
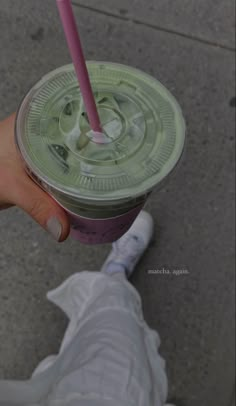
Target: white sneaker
x=127, y=251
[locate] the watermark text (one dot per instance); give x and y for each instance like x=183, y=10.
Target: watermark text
x=169, y=271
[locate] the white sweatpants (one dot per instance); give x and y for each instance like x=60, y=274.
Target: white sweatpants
x=109, y=356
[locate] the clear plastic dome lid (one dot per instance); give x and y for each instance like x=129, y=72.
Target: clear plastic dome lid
x=143, y=133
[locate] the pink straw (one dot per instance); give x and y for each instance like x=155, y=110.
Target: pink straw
x=76, y=51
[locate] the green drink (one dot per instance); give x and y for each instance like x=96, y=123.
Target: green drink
x=102, y=182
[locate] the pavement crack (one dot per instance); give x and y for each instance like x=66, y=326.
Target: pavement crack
x=154, y=27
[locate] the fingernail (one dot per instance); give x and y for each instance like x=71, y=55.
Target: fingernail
x=54, y=227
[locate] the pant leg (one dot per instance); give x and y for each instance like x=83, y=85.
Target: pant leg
x=109, y=356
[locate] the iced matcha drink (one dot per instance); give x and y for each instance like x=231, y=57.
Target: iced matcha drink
x=102, y=185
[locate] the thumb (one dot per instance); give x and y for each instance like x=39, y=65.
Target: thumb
x=42, y=208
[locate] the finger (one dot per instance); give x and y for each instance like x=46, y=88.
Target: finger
x=42, y=208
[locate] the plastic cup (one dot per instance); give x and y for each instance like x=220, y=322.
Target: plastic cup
x=102, y=186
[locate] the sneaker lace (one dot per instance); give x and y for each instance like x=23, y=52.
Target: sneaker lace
x=129, y=246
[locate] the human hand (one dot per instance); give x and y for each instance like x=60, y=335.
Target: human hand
x=17, y=189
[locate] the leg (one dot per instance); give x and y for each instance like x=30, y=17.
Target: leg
x=109, y=356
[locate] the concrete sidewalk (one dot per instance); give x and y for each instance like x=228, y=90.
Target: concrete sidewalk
x=190, y=49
